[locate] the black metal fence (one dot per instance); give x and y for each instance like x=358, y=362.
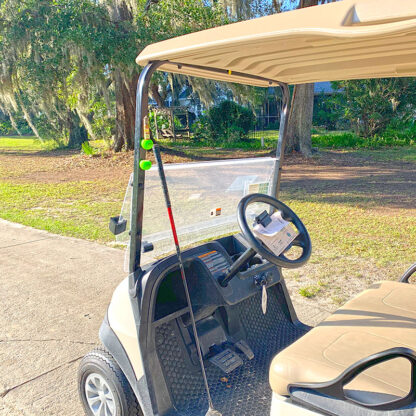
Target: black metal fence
x=266, y=127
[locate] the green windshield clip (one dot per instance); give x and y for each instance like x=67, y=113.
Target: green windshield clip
x=145, y=164
x=147, y=144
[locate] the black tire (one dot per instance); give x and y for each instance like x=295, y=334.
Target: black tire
x=101, y=361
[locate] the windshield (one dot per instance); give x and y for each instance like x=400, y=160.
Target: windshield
x=204, y=199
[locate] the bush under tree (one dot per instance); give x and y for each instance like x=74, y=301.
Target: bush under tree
x=373, y=104
x=229, y=122
x=329, y=114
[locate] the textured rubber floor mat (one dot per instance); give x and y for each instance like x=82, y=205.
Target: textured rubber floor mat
x=246, y=390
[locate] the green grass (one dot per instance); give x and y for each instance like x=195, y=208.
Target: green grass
x=358, y=233
x=82, y=209
x=25, y=144
x=309, y=291
x=77, y=209
x=349, y=140
x=397, y=154
x=99, y=145
x=266, y=134
x=352, y=248
x=248, y=144
x=320, y=138
x=21, y=144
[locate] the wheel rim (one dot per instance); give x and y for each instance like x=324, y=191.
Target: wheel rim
x=99, y=396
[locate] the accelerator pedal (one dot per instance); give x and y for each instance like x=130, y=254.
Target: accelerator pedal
x=227, y=360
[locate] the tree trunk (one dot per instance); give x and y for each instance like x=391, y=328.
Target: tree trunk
x=175, y=90
x=77, y=132
x=154, y=89
x=300, y=120
x=125, y=112
x=119, y=139
x=125, y=88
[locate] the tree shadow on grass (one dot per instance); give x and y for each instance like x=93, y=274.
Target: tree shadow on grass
x=383, y=185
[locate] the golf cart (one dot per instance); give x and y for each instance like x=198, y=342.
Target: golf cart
x=212, y=326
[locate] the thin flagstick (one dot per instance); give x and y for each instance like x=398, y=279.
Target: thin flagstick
x=211, y=410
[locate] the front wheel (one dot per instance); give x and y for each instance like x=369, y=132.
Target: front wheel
x=103, y=387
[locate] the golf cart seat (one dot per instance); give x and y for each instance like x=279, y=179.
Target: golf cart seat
x=379, y=319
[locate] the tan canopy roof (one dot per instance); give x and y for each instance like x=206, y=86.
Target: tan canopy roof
x=351, y=39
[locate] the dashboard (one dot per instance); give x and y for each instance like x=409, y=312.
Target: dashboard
x=204, y=265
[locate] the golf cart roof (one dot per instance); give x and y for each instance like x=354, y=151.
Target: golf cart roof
x=350, y=39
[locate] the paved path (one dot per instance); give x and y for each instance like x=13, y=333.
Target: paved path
x=54, y=292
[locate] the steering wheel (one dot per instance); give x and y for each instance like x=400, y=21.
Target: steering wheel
x=302, y=240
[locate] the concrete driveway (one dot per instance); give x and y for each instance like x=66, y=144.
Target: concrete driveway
x=54, y=292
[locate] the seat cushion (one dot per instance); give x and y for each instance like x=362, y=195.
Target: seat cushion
x=380, y=318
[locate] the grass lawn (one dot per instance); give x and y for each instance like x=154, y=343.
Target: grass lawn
x=359, y=206
x=397, y=154
x=75, y=208
x=20, y=144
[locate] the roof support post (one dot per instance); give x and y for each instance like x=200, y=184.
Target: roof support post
x=280, y=150
x=136, y=219
x=140, y=153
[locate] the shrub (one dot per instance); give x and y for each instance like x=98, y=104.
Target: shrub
x=236, y=133
x=229, y=122
x=336, y=141
x=87, y=149
x=373, y=104
x=327, y=113
x=201, y=130
x=392, y=136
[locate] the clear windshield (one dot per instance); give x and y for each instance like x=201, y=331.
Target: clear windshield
x=204, y=200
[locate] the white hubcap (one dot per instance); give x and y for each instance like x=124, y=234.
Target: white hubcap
x=99, y=396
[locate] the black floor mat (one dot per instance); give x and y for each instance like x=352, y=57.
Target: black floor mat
x=245, y=391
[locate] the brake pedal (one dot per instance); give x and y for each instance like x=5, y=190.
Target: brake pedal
x=227, y=360
x=245, y=349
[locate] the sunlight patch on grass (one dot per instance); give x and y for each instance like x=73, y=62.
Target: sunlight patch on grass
x=25, y=144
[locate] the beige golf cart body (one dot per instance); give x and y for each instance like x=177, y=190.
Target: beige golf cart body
x=350, y=39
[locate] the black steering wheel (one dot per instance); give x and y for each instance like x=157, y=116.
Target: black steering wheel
x=302, y=240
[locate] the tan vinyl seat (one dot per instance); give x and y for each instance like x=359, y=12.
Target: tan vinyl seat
x=380, y=318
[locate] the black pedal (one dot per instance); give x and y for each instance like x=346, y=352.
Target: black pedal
x=227, y=360
x=245, y=349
